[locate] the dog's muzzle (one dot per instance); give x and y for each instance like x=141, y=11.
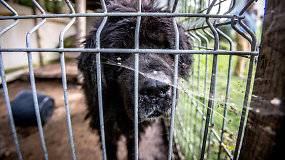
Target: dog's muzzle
x=155, y=95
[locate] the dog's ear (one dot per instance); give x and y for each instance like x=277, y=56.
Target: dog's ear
x=185, y=60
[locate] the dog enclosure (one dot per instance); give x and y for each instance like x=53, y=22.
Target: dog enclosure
x=198, y=124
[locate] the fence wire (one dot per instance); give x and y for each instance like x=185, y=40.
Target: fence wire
x=194, y=133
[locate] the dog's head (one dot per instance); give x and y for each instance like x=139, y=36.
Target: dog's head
x=155, y=83
x=156, y=71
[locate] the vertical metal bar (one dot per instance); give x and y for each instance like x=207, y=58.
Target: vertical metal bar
x=226, y=107
x=193, y=104
x=136, y=84
x=4, y=84
x=205, y=83
x=189, y=11
x=99, y=80
x=211, y=102
x=33, y=86
x=64, y=82
x=198, y=99
x=188, y=109
x=173, y=105
x=204, y=100
x=227, y=92
x=32, y=79
x=244, y=109
x=205, y=87
x=174, y=6
x=198, y=81
x=192, y=97
x=247, y=90
x=232, y=6
x=195, y=24
x=186, y=10
x=214, y=101
x=183, y=4
x=213, y=82
x=195, y=10
x=193, y=101
x=99, y=83
x=186, y=122
x=136, y=106
x=246, y=7
x=9, y=110
x=201, y=5
x=189, y=118
x=174, y=88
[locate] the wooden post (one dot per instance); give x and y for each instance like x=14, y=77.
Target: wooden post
x=265, y=129
x=80, y=21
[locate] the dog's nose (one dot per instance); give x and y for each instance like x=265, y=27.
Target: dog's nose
x=155, y=88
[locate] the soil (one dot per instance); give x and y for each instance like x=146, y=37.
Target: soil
x=87, y=142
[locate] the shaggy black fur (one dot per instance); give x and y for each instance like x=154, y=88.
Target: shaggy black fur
x=155, y=78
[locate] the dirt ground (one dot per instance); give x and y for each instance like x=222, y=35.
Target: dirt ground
x=87, y=143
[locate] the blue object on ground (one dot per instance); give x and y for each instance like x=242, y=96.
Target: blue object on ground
x=24, y=110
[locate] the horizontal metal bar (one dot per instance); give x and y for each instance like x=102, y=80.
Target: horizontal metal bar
x=120, y=14
x=114, y=50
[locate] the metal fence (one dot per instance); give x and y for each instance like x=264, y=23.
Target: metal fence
x=202, y=24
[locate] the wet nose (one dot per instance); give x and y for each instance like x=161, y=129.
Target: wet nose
x=155, y=88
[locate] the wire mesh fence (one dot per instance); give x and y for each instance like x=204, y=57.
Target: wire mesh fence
x=208, y=126
x=211, y=114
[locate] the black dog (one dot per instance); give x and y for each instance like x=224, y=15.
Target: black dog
x=155, y=73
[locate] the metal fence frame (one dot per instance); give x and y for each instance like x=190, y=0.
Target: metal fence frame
x=199, y=18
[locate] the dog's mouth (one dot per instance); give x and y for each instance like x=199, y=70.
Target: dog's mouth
x=155, y=114
x=153, y=107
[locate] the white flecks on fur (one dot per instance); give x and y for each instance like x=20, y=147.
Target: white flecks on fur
x=159, y=76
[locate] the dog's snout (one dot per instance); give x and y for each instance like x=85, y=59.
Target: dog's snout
x=155, y=88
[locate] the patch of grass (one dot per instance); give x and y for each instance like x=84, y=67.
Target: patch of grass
x=193, y=104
